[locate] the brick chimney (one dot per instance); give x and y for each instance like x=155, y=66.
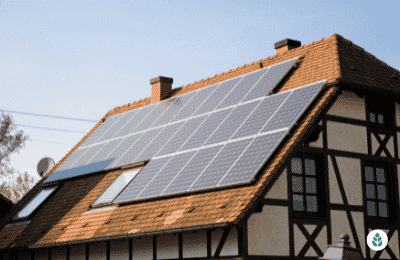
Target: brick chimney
x=160, y=88
x=286, y=44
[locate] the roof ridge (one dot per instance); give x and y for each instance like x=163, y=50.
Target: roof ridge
x=336, y=38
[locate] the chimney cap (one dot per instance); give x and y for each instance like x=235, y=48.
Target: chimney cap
x=289, y=42
x=161, y=79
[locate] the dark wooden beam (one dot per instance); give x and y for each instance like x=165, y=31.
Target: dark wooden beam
x=154, y=247
x=242, y=240
x=108, y=250
x=180, y=246
x=130, y=248
x=209, y=252
x=222, y=242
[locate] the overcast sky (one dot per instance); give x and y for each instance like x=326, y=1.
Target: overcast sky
x=79, y=59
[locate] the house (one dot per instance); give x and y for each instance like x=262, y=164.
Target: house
x=272, y=160
x=5, y=205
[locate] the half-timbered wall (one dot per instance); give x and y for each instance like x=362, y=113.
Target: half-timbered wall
x=78, y=252
x=60, y=253
x=194, y=244
x=98, y=251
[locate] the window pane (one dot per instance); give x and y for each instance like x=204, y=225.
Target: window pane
x=296, y=165
x=298, y=203
x=311, y=185
x=372, y=117
x=371, y=208
x=380, y=119
x=383, y=212
x=297, y=184
x=369, y=174
x=309, y=167
x=116, y=187
x=312, y=204
x=380, y=175
x=381, y=192
x=370, y=191
x=35, y=202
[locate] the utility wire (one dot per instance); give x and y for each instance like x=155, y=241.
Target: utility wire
x=59, y=117
x=53, y=129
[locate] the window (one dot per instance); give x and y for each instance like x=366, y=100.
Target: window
x=116, y=187
x=307, y=186
x=35, y=203
x=378, y=114
x=377, y=189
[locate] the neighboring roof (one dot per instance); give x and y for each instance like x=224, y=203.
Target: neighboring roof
x=63, y=220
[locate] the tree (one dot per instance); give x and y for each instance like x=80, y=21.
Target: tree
x=9, y=142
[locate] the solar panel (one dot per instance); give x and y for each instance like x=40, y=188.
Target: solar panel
x=101, y=130
x=35, y=202
x=159, y=141
x=293, y=107
x=107, y=150
x=161, y=181
x=195, y=103
x=220, y=165
x=260, y=115
x=142, y=179
x=91, y=152
x=180, y=137
x=125, y=118
x=242, y=88
x=67, y=164
x=253, y=158
x=269, y=80
x=192, y=170
x=217, y=96
x=152, y=116
x=206, y=129
x=122, y=147
x=173, y=106
x=232, y=123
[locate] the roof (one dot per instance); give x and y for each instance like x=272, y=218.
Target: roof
x=63, y=220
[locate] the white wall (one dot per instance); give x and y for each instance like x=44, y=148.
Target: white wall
x=194, y=244
x=119, y=249
x=142, y=248
x=98, y=251
x=77, y=252
x=347, y=137
x=280, y=188
x=167, y=246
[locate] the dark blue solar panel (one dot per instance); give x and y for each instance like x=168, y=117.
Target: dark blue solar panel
x=125, y=118
x=161, y=181
x=192, y=170
x=197, y=100
x=260, y=115
x=213, y=174
x=122, y=148
x=141, y=180
x=157, y=144
x=253, y=158
x=293, y=107
x=85, y=158
x=269, y=80
x=217, y=96
x=242, y=88
x=173, y=107
x=107, y=150
x=138, y=147
x=72, y=159
x=103, y=128
x=206, y=129
x=155, y=114
x=182, y=135
x=135, y=121
x=232, y=122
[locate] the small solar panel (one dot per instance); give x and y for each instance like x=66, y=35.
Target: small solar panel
x=215, y=171
x=269, y=80
x=161, y=181
x=173, y=107
x=91, y=152
x=261, y=115
x=182, y=135
x=293, y=107
x=253, y=158
x=67, y=164
x=195, y=103
x=103, y=128
x=159, y=141
x=192, y=170
x=242, y=88
x=217, y=96
x=206, y=129
x=106, y=150
x=122, y=148
x=232, y=123
x=141, y=180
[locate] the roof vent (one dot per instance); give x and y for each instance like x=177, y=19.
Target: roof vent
x=286, y=44
x=160, y=88
x=45, y=165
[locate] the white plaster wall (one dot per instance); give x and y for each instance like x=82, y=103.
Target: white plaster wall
x=42, y=254
x=280, y=188
x=350, y=171
x=77, y=252
x=272, y=220
x=167, y=246
x=59, y=253
x=194, y=244
x=231, y=244
x=299, y=240
x=358, y=218
x=340, y=225
x=24, y=255
x=142, y=248
x=98, y=251
x=349, y=105
x=119, y=249
x=347, y=137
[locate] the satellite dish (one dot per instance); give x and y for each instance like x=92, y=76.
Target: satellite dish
x=44, y=166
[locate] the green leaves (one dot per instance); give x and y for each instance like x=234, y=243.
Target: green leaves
x=377, y=240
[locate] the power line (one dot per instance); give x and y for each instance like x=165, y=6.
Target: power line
x=59, y=117
x=53, y=129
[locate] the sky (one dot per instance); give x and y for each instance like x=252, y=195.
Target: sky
x=80, y=59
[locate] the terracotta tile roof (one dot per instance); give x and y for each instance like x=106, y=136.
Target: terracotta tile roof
x=63, y=220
